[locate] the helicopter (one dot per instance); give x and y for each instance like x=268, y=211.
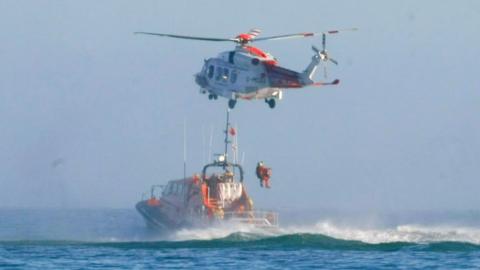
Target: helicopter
x=250, y=73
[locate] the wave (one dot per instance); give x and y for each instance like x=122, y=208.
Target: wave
x=256, y=242
x=322, y=235
x=404, y=233
x=409, y=233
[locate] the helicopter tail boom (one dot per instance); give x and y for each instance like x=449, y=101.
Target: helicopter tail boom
x=309, y=72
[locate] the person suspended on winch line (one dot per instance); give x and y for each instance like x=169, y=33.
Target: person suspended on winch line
x=263, y=173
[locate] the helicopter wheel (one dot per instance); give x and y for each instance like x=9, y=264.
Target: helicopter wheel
x=215, y=97
x=210, y=96
x=271, y=103
x=231, y=103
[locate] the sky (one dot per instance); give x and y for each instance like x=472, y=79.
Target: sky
x=92, y=115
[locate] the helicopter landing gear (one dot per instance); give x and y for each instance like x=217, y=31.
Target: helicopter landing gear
x=271, y=103
x=232, y=103
x=212, y=96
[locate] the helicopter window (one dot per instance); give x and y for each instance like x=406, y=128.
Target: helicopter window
x=210, y=71
x=233, y=77
x=218, y=74
x=255, y=61
x=225, y=73
x=230, y=56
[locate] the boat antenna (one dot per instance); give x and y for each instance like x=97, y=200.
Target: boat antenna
x=203, y=145
x=235, y=144
x=184, y=148
x=225, y=154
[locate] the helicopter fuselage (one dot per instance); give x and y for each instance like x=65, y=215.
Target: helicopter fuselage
x=246, y=73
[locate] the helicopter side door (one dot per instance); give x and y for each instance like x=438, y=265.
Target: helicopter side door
x=251, y=74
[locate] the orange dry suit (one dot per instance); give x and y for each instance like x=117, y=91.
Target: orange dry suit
x=264, y=173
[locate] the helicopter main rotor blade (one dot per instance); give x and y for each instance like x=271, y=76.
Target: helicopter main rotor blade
x=188, y=37
x=298, y=35
x=333, y=61
x=302, y=35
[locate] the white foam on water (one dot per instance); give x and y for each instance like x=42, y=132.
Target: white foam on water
x=220, y=231
x=403, y=233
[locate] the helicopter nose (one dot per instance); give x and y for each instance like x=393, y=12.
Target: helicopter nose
x=201, y=80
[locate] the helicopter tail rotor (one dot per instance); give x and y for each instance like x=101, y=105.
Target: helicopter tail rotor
x=323, y=55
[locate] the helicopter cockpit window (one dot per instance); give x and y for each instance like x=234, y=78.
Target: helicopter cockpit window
x=233, y=77
x=210, y=71
x=225, y=73
x=218, y=75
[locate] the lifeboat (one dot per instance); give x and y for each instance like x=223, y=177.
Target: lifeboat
x=216, y=195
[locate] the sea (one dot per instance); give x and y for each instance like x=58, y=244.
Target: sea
x=119, y=239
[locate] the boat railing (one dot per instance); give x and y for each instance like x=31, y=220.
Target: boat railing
x=258, y=218
x=154, y=192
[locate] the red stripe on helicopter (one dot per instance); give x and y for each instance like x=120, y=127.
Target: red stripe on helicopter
x=245, y=36
x=270, y=62
x=255, y=51
x=283, y=78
